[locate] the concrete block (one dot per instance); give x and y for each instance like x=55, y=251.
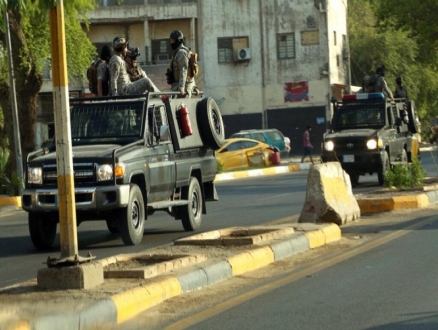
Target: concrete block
x=193, y=280
x=218, y=272
x=83, y=276
x=329, y=197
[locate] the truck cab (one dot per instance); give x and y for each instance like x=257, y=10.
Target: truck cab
x=370, y=133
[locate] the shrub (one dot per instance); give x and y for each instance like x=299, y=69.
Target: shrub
x=219, y=167
x=8, y=186
x=405, y=176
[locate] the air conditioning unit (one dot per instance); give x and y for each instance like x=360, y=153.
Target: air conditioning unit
x=243, y=54
x=162, y=58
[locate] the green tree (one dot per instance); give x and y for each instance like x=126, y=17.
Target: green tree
x=373, y=44
x=416, y=18
x=30, y=39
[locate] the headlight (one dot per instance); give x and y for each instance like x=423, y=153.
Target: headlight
x=329, y=145
x=35, y=175
x=373, y=144
x=104, y=172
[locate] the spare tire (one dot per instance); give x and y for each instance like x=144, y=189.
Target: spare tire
x=210, y=124
x=414, y=122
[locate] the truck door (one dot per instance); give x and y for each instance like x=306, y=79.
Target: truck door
x=160, y=164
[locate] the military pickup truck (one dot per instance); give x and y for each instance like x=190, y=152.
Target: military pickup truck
x=370, y=133
x=132, y=156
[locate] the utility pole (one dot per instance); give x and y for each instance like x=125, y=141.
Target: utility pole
x=66, y=189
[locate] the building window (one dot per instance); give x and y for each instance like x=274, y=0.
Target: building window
x=338, y=61
x=161, y=51
x=227, y=48
x=286, y=46
x=311, y=24
x=334, y=38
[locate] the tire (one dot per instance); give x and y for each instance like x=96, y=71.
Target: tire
x=132, y=218
x=42, y=228
x=385, y=168
x=210, y=123
x=112, y=225
x=191, y=215
x=354, y=179
x=414, y=125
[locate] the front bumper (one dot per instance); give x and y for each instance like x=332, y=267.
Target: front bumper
x=86, y=199
x=365, y=162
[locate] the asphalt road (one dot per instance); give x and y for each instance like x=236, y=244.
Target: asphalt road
x=245, y=202
x=387, y=283
x=242, y=203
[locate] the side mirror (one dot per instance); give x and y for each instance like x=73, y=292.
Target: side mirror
x=164, y=133
x=224, y=150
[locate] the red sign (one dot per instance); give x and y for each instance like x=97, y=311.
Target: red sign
x=296, y=91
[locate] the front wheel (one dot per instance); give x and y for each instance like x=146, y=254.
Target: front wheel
x=385, y=167
x=132, y=217
x=42, y=228
x=191, y=215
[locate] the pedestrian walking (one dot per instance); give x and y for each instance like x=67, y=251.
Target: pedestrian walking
x=307, y=144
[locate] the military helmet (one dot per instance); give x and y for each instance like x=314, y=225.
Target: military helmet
x=176, y=34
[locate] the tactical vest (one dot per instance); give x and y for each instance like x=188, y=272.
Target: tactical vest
x=134, y=73
x=176, y=69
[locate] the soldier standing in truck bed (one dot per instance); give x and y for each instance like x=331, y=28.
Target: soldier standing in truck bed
x=400, y=90
x=179, y=65
x=381, y=85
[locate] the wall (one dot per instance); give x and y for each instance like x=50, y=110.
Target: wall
x=250, y=94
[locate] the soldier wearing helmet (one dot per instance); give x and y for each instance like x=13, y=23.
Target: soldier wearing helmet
x=179, y=65
x=120, y=81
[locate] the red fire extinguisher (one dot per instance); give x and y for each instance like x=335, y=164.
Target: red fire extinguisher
x=184, y=120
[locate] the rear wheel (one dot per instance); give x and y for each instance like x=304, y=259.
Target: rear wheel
x=210, y=123
x=132, y=217
x=42, y=228
x=191, y=215
x=385, y=168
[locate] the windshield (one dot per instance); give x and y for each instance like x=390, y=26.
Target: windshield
x=106, y=121
x=359, y=115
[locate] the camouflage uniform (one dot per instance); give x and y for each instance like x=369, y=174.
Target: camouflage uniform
x=103, y=74
x=121, y=83
x=135, y=72
x=179, y=65
x=382, y=86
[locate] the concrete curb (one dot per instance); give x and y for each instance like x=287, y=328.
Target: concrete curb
x=394, y=203
x=262, y=171
x=127, y=305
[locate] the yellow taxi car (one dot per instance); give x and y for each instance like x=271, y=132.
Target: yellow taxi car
x=240, y=153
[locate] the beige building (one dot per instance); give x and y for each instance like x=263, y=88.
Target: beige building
x=272, y=64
